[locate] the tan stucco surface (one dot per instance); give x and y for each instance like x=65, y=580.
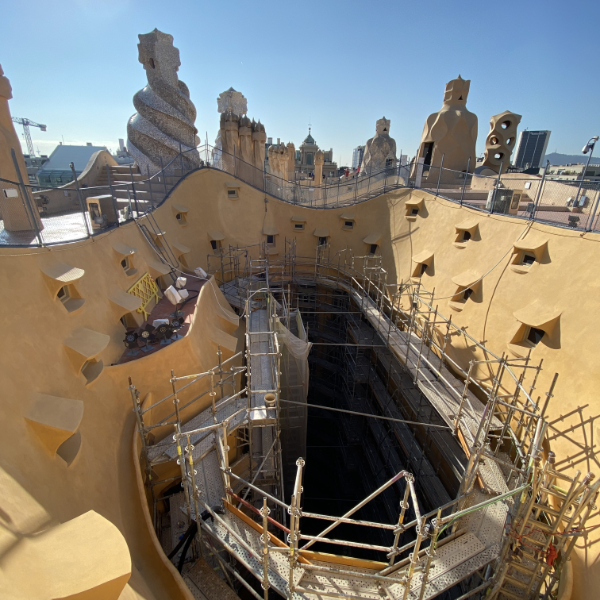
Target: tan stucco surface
x=104, y=477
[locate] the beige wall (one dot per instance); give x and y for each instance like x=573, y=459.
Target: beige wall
x=102, y=477
x=65, y=199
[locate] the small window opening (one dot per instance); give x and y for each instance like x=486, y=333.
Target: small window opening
x=467, y=294
x=215, y=244
x=535, y=335
x=414, y=211
x=181, y=218
x=423, y=269
x=322, y=241
x=373, y=249
x=348, y=224
x=128, y=267
x=528, y=260
x=91, y=369
x=466, y=236
x=298, y=225
x=152, y=63
x=64, y=294
x=271, y=240
x=232, y=193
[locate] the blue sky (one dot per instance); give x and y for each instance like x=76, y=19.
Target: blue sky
x=340, y=65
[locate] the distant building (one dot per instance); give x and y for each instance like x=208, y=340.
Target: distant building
x=573, y=172
x=56, y=171
x=122, y=155
x=34, y=164
x=305, y=157
x=531, y=149
x=357, y=156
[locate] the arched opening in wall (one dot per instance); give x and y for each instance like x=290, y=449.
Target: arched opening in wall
x=129, y=321
x=505, y=124
x=127, y=264
x=427, y=153
x=69, y=449
x=70, y=297
x=91, y=369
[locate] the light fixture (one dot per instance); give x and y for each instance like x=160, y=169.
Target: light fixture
x=590, y=145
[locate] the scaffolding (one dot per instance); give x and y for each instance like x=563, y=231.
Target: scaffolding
x=514, y=519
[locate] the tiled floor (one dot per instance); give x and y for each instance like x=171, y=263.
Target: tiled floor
x=163, y=310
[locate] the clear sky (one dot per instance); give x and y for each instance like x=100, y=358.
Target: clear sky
x=73, y=65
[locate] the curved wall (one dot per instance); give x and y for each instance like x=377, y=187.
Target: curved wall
x=102, y=475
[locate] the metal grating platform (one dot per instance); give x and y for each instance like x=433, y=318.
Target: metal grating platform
x=166, y=450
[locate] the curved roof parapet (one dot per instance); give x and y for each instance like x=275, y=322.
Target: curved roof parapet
x=181, y=249
x=466, y=278
x=54, y=420
x=534, y=244
x=372, y=238
x=538, y=314
x=124, y=300
x=123, y=249
x=158, y=267
x=62, y=272
x=467, y=225
x=86, y=342
x=414, y=202
x=421, y=257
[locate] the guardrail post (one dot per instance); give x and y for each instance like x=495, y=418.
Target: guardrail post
x=462, y=194
x=437, y=191
x=496, y=190
x=25, y=198
x=539, y=192
x=590, y=224
x=137, y=208
x=81, y=204
x=112, y=193
x=162, y=169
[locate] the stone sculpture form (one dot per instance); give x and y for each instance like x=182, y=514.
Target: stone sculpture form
x=279, y=161
x=501, y=140
x=232, y=100
x=240, y=143
x=259, y=138
x=291, y=160
x=165, y=116
x=380, y=150
x=451, y=132
x=18, y=214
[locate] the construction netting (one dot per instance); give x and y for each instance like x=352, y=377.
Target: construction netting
x=294, y=348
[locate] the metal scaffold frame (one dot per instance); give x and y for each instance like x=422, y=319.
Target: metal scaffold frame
x=489, y=407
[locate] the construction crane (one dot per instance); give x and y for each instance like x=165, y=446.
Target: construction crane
x=26, y=124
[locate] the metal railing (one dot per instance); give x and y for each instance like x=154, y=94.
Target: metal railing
x=68, y=215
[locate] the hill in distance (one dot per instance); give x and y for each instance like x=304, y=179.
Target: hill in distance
x=556, y=158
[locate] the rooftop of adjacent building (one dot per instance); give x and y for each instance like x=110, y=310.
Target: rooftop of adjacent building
x=63, y=155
